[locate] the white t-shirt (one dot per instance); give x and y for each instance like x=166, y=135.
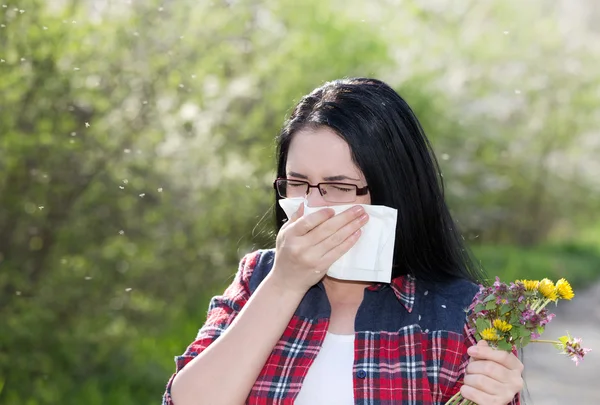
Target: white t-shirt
x=329, y=380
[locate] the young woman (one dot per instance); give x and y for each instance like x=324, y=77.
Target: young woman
x=286, y=333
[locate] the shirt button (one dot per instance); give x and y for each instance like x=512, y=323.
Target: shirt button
x=361, y=374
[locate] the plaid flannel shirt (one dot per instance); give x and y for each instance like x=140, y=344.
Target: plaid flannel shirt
x=411, y=339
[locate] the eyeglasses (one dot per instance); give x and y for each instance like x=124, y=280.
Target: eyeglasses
x=331, y=192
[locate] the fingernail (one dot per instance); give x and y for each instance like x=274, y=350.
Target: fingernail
x=358, y=209
x=364, y=218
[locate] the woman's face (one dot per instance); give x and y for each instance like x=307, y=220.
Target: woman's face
x=320, y=155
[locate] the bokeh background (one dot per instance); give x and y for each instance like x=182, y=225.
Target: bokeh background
x=137, y=155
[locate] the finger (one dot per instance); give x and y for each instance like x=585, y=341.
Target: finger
x=483, y=343
x=471, y=360
x=326, y=229
x=509, y=360
x=477, y=396
x=307, y=223
x=483, y=383
x=323, y=247
x=331, y=256
x=490, y=369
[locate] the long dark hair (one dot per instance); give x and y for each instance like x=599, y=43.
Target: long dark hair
x=390, y=147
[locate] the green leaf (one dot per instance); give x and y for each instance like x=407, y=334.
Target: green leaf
x=504, y=345
x=525, y=340
x=479, y=308
x=481, y=324
x=505, y=309
x=514, y=318
x=489, y=298
x=490, y=305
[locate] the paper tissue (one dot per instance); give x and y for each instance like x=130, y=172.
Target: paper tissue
x=370, y=259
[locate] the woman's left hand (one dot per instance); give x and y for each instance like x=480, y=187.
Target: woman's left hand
x=493, y=377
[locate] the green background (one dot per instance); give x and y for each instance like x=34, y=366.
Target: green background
x=137, y=155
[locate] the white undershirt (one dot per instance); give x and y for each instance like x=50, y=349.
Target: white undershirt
x=329, y=380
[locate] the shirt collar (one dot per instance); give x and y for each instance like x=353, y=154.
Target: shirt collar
x=404, y=289
x=403, y=286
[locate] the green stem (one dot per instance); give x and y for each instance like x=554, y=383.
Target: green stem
x=546, y=302
x=544, y=341
x=538, y=304
x=455, y=397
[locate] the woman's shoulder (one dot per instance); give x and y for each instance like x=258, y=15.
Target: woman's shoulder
x=459, y=288
x=255, y=266
x=445, y=303
x=455, y=292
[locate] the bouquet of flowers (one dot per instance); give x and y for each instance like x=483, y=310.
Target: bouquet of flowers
x=511, y=316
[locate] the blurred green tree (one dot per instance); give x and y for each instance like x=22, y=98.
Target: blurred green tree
x=134, y=145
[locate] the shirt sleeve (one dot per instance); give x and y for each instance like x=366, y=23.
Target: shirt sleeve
x=221, y=312
x=469, y=340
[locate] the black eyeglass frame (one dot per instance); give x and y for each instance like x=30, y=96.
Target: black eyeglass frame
x=359, y=190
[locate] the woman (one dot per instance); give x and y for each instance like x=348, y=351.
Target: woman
x=285, y=333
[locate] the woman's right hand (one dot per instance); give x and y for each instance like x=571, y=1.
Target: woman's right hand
x=308, y=245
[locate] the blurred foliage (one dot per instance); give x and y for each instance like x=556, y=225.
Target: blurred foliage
x=579, y=263
x=136, y=156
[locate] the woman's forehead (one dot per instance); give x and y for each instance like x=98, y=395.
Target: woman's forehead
x=321, y=153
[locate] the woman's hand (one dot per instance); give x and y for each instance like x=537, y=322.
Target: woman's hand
x=493, y=377
x=308, y=245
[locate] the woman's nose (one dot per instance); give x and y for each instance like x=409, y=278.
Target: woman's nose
x=315, y=199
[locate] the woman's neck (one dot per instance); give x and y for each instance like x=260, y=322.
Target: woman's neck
x=344, y=292
x=345, y=298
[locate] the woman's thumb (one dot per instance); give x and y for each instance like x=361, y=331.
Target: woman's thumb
x=482, y=343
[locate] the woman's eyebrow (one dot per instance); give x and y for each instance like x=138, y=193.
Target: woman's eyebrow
x=339, y=177
x=294, y=174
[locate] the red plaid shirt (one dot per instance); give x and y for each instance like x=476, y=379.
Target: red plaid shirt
x=410, y=344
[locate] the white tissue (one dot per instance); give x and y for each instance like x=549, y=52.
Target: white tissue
x=370, y=259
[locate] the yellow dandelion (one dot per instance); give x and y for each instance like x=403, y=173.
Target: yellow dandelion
x=548, y=289
x=564, y=290
x=490, y=334
x=530, y=285
x=501, y=325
